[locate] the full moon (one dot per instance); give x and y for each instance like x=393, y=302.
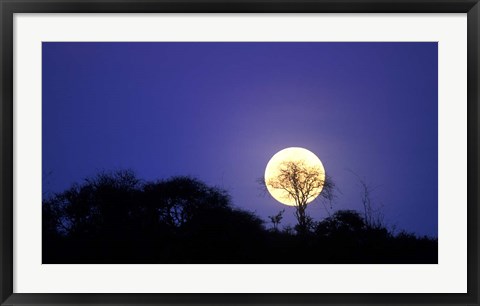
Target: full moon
x=294, y=155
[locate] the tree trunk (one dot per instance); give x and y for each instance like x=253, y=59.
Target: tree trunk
x=302, y=219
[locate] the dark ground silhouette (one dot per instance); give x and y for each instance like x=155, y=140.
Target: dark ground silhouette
x=116, y=218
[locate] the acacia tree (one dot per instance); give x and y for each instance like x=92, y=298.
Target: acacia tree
x=301, y=184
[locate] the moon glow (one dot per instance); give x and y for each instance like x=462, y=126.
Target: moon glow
x=292, y=154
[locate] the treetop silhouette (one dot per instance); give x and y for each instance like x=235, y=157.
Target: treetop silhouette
x=118, y=218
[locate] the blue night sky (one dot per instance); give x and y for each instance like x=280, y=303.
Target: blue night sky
x=220, y=111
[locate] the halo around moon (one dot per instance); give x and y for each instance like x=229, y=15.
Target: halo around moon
x=292, y=154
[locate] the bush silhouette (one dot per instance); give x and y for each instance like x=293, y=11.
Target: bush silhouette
x=118, y=218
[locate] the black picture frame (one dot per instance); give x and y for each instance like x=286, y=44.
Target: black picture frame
x=9, y=8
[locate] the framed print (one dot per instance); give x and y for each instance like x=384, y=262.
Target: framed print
x=239, y=153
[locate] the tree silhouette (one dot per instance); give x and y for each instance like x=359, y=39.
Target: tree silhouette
x=276, y=219
x=114, y=217
x=301, y=183
x=177, y=200
x=373, y=216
